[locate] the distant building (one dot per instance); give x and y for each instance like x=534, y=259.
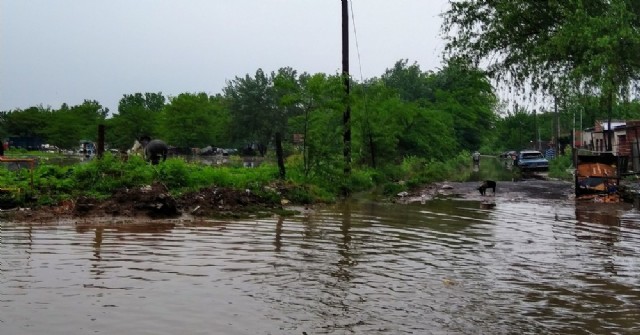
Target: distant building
x=600, y=135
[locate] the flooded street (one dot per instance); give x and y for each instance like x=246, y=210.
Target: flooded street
x=530, y=266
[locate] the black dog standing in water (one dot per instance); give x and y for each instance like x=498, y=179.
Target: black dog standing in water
x=487, y=184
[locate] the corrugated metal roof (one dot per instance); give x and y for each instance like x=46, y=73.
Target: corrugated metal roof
x=614, y=124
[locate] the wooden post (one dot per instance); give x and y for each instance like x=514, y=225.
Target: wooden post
x=280, y=155
x=100, y=141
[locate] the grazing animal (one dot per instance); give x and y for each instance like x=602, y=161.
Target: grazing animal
x=153, y=149
x=487, y=184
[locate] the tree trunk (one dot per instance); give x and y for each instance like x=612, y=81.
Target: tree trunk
x=100, y=141
x=305, y=154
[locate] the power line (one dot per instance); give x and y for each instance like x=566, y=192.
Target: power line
x=355, y=33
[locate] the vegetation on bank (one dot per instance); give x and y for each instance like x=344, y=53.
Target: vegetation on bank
x=53, y=184
x=99, y=178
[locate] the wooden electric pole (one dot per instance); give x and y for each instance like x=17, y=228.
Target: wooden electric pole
x=346, y=117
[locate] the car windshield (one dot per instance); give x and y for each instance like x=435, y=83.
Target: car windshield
x=532, y=155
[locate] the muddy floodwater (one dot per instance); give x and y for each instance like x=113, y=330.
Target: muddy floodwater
x=525, y=266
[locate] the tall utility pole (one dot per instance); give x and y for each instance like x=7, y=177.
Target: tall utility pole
x=346, y=116
x=556, y=131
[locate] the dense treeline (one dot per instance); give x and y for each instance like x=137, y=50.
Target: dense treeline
x=404, y=112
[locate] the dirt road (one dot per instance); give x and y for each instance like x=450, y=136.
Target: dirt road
x=505, y=190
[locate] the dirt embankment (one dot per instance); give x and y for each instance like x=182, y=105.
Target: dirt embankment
x=154, y=201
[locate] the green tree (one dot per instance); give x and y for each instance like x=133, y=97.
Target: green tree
x=553, y=46
x=516, y=129
x=288, y=103
x=409, y=82
x=389, y=128
x=194, y=120
x=63, y=129
x=252, y=106
x=377, y=125
x=29, y=122
x=465, y=93
x=460, y=91
x=138, y=115
x=68, y=125
x=321, y=104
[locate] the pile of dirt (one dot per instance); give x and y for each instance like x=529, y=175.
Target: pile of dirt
x=226, y=202
x=155, y=201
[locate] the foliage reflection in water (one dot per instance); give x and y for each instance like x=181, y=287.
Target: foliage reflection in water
x=445, y=267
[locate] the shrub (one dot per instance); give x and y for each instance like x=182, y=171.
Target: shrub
x=174, y=173
x=560, y=166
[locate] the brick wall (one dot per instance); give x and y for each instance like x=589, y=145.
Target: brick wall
x=632, y=133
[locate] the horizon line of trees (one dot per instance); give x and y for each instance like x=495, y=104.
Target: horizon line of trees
x=405, y=108
x=404, y=112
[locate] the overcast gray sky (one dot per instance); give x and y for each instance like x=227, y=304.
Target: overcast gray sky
x=65, y=51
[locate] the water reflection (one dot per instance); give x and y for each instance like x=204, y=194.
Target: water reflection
x=278, y=241
x=489, y=168
x=598, y=223
x=344, y=247
x=445, y=267
x=475, y=172
x=97, y=243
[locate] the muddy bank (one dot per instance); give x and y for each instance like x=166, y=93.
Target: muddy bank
x=155, y=202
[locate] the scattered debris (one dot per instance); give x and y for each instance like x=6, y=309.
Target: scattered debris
x=154, y=201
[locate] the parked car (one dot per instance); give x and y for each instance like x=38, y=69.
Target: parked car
x=532, y=160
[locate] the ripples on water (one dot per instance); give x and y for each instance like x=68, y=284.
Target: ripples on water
x=445, y=267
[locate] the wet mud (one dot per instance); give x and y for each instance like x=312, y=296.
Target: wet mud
x=505, y=190
x=155, y=202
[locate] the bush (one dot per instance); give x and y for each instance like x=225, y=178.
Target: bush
x=102, y=176
x=560, y=166
x=448, y=170
x=391, y=189
x=174, y=173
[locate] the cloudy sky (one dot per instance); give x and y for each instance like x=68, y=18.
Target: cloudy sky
x=66, y=51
